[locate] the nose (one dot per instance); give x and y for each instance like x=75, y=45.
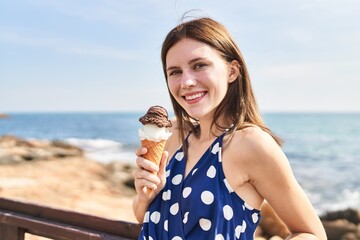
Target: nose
x=187, y=80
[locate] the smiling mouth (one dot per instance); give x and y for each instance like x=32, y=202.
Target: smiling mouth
x=194, y=97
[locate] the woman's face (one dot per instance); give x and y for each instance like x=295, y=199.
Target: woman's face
x=198, y=77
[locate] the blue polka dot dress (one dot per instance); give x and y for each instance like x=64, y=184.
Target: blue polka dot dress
x=200, y=206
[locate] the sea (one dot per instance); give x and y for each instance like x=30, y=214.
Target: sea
x=323, y=148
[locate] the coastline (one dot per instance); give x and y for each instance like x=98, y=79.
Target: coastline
x=74, y=183
x=58, y=175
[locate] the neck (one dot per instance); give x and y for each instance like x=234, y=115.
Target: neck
x=208, y=131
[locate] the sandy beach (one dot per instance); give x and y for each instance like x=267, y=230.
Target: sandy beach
x=74, y=183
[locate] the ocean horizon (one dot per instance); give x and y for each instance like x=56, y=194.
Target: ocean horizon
x=322, y=147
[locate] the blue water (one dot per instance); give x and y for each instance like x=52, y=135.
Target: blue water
x=323, y=148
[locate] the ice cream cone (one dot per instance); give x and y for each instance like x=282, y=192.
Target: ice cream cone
x=154, y=150
x=154, y=153
x=153, y=134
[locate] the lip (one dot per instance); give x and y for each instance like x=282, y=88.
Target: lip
x=194, y=97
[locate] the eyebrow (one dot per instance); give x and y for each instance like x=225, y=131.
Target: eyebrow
x=190, y=62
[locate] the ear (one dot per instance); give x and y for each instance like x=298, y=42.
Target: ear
x=234, y=71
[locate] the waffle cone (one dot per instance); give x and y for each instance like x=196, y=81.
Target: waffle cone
x=154, y=150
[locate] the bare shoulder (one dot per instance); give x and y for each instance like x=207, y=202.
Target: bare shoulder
x=255, y=148
x=255, y=140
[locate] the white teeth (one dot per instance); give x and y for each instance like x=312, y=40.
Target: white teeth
x=192, y=97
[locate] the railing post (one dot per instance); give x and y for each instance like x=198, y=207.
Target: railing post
x=8, y=232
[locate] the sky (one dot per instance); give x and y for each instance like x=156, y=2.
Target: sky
x=104, y=55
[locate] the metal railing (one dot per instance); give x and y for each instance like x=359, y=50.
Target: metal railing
x=18, y=218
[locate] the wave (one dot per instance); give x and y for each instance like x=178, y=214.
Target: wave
x=103, y=150
x=347, y=198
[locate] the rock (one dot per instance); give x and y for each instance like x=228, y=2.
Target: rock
x=8, y=141
x=342, y=224
x=349, y=214
x=130, y=182
x=17, y=150
x=338, y=229
x=120, y=175
x=64, y=145
x=6, y=158
x=36, y=143
x=65, y=152
x=350, y=236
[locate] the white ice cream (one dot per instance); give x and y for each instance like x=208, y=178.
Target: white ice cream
x=153, y=133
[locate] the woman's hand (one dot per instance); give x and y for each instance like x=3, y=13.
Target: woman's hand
x=149, y=176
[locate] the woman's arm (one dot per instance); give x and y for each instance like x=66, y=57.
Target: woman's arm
x=271, y=174
x=145, y=178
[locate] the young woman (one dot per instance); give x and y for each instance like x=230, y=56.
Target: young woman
x=225, y=162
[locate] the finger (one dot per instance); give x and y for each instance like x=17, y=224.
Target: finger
x=141, y=151
x=143, y=174
x=140, y=184
x=147, y=165
x=163, y=162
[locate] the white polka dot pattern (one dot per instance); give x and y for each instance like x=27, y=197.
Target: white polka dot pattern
x=243, y=228
x=211, y=172
x=186, y=217
x=166, y=225
x=238, y=231
x=146, y=217
x=205, y=224
x=155, y=217
x=186, y=192
x=215, y=148
x=174, y=209
x=220, y=155
x=228, y=212
x=219, y=237
x=186, y=207
x=166, y=195
x=177, y=179
x=255, y=217
x=176, y=238
x=179, y=156
x=207, y=197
